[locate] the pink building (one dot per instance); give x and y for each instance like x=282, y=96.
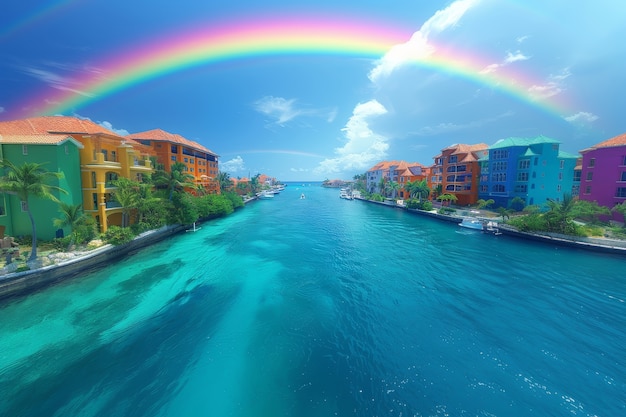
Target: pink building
x=603, y=174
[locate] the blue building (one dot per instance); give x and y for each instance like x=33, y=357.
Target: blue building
x=535, y=170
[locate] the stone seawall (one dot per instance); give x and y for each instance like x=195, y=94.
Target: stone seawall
x=28, y=281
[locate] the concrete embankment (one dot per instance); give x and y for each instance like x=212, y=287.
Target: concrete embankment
x=27, y=281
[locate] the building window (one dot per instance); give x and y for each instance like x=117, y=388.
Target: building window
x=24, y=205
x=560, y=176
x=3, y=210
x=174, y=149
x=174, y=158
x=577, y=175
x=452, y=159
x=562, y=163
x=524, y=164
x=621, y=192
x=624, y=160
x=498, y=188
x=522, y=176
x=592, y=162
x=558, y=188
x=24, y=149
x=588, y=189
x=589, y=176
x=521, y=188
x=623, y=176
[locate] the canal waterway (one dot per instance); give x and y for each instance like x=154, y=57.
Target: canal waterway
x=324, y=307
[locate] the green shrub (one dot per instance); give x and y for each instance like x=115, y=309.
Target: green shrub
x=116, y=235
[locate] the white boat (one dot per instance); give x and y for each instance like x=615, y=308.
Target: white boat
x=472, y=223
x=302, y=197
x=480, y=224
x=345, y=194
x=264, y=195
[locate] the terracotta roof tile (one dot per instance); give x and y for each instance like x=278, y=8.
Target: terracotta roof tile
x=50, y=139
x=162, y=135
x=619, y=140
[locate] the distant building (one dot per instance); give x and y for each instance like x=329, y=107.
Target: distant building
x=387, y=172
x=603, y=173
x=535, y=170
x=170, y=148
x=459, y=171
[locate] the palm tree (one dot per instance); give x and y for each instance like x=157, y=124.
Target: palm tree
x=254, y=183
x=561, y=213
x=26, y=181
x=176, y=180
x=127, y=193
x=224, y=181
x=447, y=197
x=393, y=187
x=418, y=189
x=72, y=216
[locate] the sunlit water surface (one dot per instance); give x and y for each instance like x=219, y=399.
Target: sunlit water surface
x=324, y=307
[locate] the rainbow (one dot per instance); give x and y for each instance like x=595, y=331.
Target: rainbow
x=248, y=39
x=42, y=13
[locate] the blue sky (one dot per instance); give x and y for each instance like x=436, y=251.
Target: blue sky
x=310, y=117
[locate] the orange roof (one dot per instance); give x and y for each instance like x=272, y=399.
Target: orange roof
x=400, y=165
x=619, y=140
x=162, y=135
x=39, y=139
x=53, y=124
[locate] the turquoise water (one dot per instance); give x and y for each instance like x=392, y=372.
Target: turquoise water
x=324, y=307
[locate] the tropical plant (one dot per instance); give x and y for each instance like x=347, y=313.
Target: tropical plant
x=27, y=181
x=447, y=198
x=116, y=235
x=127, y=193
x=224, y=180
x=504, y=212
x=480, y=204
x=254, y=183
x=621, y=208
x=560, y=214
x=393, y=187
x=517, y=203
x=418, y=189
x=175, y=181
x=72, y=216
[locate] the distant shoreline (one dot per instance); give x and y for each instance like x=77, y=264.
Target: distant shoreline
x=586, y=243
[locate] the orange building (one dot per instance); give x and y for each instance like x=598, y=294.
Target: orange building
x=459, y=172
x=170, y=148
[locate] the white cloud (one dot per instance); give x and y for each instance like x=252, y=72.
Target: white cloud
x=1, y=109
x=108, y=125
x=522, y=39
x=418, y=47
x=508, y=59
x=582, y=117
x=280, y=109
x=55, y=80
x=553, y=86
x=517, y=56
x=233, y=166
x=363, y=148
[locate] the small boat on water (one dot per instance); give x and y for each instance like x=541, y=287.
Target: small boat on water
x=345, y=194
x=194, y=229
x=265, y=195
x=480, y=224
x=302, y=197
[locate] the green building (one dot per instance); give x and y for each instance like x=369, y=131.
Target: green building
x=57, y=153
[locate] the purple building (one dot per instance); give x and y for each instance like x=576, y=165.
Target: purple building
x=603, y=175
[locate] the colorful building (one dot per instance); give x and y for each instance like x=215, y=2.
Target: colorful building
x=459, y=171
x=603, y=173
x=170, y=148
x=104, y=157
x=411, y=173
x=56, y=153
x=535, y=170
x=392, y=172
